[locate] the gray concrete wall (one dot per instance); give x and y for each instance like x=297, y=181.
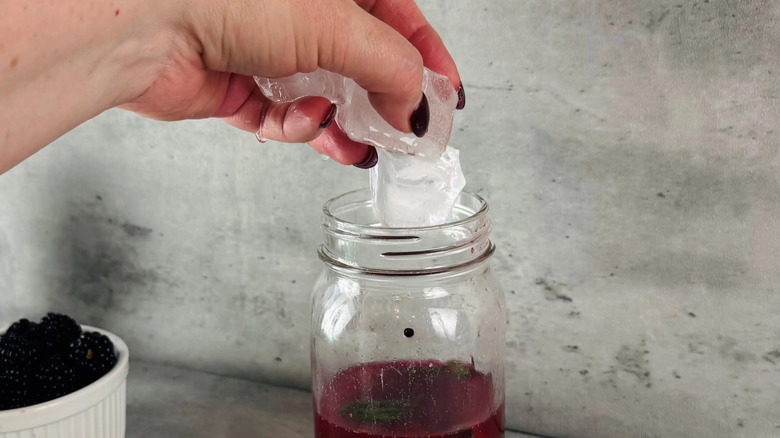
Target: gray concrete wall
x=629, y=153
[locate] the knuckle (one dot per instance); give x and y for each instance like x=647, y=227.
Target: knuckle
x=411, y=72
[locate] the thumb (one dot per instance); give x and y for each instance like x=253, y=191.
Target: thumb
x=380, y=60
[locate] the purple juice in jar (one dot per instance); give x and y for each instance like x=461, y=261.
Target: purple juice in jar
x=411, y=399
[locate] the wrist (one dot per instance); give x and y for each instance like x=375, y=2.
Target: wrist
x=141, y=50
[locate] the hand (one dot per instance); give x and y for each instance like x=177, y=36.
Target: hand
x=221, y=44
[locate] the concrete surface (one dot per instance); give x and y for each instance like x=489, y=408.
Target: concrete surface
x=629, y=154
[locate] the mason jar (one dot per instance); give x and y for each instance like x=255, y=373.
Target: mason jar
x=408, y=326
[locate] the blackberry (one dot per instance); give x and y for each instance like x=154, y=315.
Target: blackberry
x=11, y=378
x=54, y=378
x=14, y=392
x=13, y=399
x=23, y=328
x=92, y=355
x=41, y=362
x=17, y=352
x=57, y=331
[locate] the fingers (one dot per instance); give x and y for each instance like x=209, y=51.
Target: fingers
x=305, y=120
x=297, y=122
x=406, y=18
x=276, y=38
x=280, y=37
x=335, y=144
x=379, y=59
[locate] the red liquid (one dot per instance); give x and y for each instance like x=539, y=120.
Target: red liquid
x=410, y=399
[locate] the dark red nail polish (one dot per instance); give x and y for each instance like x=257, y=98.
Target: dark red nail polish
x=370, y=160
x=420, y=118
x=461, y=98
x=329, y=118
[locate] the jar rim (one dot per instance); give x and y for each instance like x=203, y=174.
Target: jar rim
x=329, y=214
x=354, y=240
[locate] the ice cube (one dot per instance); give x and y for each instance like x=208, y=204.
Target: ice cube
x=363, y=124
x=416, y=180
x=321, y=83
x=411, y=192
x=357, y=117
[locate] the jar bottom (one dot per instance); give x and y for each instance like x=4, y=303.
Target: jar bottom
x=409, y=399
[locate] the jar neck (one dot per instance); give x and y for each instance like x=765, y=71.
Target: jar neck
x=353, y=240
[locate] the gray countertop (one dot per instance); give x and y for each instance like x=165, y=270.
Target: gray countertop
x=171, y=402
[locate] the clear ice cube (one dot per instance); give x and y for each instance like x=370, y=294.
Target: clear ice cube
x=321, y=83
x=358, y=119
x=411, y=192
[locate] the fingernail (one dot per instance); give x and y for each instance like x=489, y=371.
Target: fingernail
x=370, y=160
x=329, y=119
x=461, y=98
x=420, y=118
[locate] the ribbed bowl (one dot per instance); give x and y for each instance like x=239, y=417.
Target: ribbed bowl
x=95, y=411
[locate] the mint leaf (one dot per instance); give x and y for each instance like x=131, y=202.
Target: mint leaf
x=460, y=369
x=376, y=411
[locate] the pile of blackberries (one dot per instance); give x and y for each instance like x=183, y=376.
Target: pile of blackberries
x=43, y=361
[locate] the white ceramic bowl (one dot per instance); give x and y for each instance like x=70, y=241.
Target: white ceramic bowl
x=95, y=411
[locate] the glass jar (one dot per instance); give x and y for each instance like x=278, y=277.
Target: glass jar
x=408, y=326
